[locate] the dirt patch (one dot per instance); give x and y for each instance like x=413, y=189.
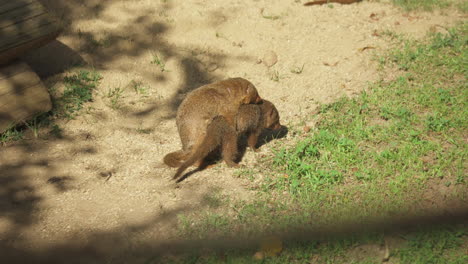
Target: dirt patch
x=105, y=176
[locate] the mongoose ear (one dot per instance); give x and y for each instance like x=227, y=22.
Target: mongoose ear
x=250, y=88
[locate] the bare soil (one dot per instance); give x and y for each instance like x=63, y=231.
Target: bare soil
x=102, y=187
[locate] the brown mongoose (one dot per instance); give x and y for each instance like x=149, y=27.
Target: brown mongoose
x=221, y=98
x=251, y=119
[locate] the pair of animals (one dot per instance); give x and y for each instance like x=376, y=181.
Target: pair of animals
x=214, y=116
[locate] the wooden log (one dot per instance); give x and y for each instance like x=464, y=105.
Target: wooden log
x=24, y=25
x=22, y=95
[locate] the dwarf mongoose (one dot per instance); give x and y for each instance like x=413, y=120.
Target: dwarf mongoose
x=251, y=119
x=221, y=98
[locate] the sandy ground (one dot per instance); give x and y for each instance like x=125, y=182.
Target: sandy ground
x=102, y=186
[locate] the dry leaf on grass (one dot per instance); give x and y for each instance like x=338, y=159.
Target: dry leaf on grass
x=366, y=48
x=271, y=246
x=321, y=2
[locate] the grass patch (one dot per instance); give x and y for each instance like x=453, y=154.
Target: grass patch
x=426, y=5
x=297, y=70
x=158, y=60
x=375, y=155
x=78, y=90
x=439, y=246
x=276, y=76
x=430, y=5
x=462, y=6
x=408, y=129
x=139, y=87
x=12, y=134
x=114, y=95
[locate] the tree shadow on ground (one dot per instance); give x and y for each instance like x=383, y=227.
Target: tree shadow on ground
x=20, y=200
x=53, y=58
x=113, y=246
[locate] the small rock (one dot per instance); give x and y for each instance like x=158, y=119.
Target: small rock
x=306, y=129
x=212, y=67
x=270, y=58
x=258, y=256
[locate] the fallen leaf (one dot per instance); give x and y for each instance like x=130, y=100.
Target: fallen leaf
x=258, y=256
x=330, y=64
x=271, y=246
x=366, y=48
x=321, y=2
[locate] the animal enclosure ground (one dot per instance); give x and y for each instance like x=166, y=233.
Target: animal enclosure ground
x=94, y=185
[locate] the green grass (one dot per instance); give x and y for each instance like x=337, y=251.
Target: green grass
x=158, y=60
x=375, y=155
x=139, y=87
x=276, y=76
x=114, y=95
x=12, y=134
x=462, y=6
x=78, y=90
x=426, y=5
x=409, y=129
x=438, y=246
x=297, y=69
x=430, y=5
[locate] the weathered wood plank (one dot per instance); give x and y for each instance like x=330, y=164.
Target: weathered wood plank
x=24, y=25
x=10, y=54
x=13, y=69
x=22, y=95
x=7, y=5
x=19, y=15
x=20, y=76
x=15, y=38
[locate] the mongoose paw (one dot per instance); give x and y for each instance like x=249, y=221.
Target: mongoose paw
x=241, y=166
x=233, y=165
x=174, y=185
